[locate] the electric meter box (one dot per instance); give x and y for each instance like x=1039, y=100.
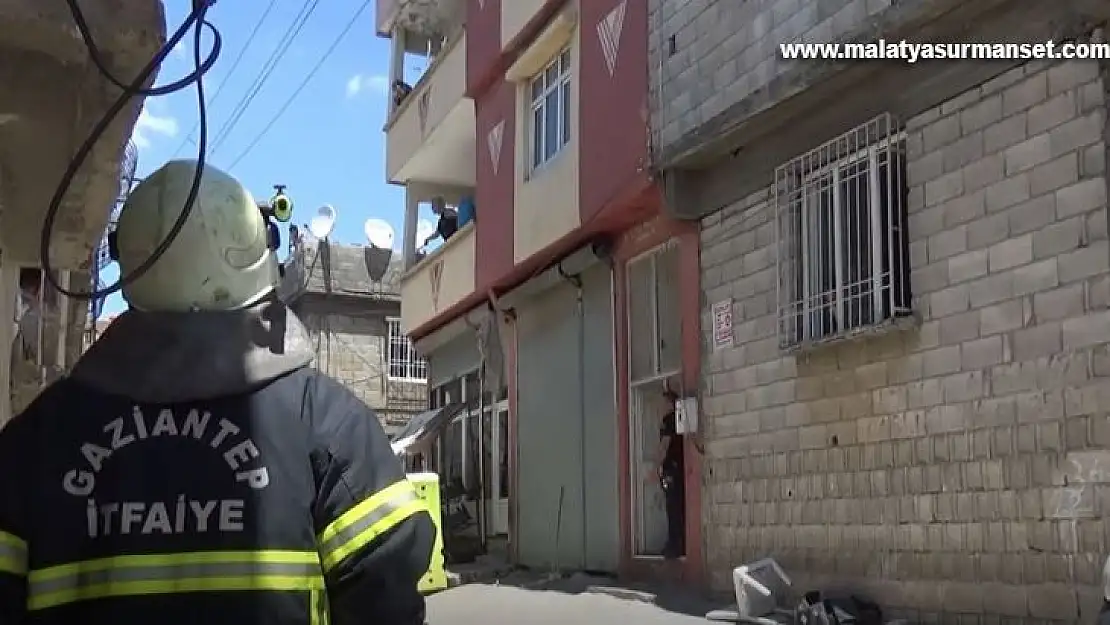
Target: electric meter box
x=686, y=415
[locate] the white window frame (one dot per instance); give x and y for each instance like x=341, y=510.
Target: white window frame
x=414, y=365
x=538, y=90
x=658, y=292
x=818, y=314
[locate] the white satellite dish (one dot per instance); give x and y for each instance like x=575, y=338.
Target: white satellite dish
x=323, y=223
x=378, y=233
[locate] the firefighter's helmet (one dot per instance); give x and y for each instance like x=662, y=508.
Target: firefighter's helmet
x=220, y=260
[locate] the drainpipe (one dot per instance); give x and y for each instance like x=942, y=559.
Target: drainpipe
x=576, y=281
x=514, y=466
x=40, y=340
x=483, y=520
x=63, y=322
x=483, y=489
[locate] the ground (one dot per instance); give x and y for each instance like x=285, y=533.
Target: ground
x=576, y=600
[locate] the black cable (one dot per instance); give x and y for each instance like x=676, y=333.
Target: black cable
x=98, y=60
x=268, y=68
x=197, y=21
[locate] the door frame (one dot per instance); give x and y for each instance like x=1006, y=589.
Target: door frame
x=635, y=420
x=497, y=507
x=498, y=510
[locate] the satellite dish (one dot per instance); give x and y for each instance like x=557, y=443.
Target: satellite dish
x=323, y=223
x=379, y=233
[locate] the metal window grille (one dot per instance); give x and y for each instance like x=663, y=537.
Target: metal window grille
x=550, y=108
x=843, y=251
x=403, y=360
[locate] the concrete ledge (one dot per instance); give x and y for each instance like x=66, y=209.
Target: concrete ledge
x=55, y=95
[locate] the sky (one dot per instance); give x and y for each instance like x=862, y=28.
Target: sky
x=328, y=146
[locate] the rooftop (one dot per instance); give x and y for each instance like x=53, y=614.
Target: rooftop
x=320, y=267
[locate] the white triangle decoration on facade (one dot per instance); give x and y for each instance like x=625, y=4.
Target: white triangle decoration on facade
x=494, y=140
x=609, y=32
x=481, y=4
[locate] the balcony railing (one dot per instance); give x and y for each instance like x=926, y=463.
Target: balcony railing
x=439, y=281
x=436, y=108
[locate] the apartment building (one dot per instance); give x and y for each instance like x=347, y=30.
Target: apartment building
x=52, y=96
x=558, y=314
x=904, y=300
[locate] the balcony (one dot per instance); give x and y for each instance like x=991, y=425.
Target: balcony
x=430, y=135
x=439, y=281
x=417, y=16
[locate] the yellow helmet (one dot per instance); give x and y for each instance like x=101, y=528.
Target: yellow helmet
x=220, y=260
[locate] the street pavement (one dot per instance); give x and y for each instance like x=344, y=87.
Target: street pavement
x=484, y=604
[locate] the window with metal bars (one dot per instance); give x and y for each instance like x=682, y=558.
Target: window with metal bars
x=549, y=124
x=843, y=250
x=403, y=361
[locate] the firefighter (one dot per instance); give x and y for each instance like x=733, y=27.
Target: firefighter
x=194, y=468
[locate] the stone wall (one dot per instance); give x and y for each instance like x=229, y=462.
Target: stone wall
x=958, y=468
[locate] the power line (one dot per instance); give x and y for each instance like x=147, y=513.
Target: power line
x=284, y=44
x=301, y=87
x=227, y=76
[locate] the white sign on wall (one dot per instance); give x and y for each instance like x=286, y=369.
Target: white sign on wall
x=722, y=324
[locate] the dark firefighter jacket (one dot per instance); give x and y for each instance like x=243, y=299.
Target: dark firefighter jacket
x=193, y=470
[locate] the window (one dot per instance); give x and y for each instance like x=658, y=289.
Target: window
x=654, y=322
x=403, y=361
x=843, y=252
x=550, y=107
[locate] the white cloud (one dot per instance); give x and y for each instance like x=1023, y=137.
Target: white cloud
x=354, y=85
x=151, y=124
x=358, y=83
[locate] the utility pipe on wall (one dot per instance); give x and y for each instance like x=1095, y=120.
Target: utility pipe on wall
x=483, y=516
x=63, y=322
x=40, y=340
x=576, y=281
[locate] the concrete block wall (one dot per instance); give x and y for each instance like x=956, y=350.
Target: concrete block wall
x=958, y=471
x=727, y=52
x=352, y=349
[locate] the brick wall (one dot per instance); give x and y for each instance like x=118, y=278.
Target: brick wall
x=958, y=467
